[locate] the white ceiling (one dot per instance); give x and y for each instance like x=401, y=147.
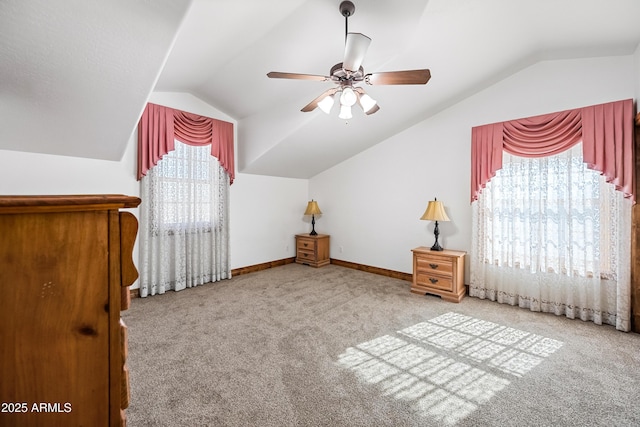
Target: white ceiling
x=75, y=74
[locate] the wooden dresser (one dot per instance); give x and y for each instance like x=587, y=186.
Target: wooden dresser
x=312, y=250
x=439, y=273
x=65, y=267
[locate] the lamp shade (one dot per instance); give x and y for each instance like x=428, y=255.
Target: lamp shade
x=312, y=208
x=435, y=212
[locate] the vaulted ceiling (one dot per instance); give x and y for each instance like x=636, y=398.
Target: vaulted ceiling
x=75, y=74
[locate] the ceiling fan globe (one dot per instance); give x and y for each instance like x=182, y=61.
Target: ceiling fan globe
x=348, y=97
x=326, y=104
x=345, y=112
x=367, y=102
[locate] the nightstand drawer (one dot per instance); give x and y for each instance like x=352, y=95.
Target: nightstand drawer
x=434, y=282
x=306, y=245
x=306, y=255
x=430, y=265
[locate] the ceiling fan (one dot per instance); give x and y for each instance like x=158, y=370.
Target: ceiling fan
x=349, y=72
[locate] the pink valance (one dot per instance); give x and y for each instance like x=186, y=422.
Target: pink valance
x=606, y=132
x=159, y=126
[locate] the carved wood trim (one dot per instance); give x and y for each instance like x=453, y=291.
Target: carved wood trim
x=635, y=241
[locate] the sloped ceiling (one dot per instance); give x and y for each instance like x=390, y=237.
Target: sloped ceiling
x=75, y=74
x=67, y=67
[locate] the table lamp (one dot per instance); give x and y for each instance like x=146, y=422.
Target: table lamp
x=435, y=212
x=313, y=210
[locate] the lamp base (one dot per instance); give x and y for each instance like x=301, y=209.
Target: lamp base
x=313, y=226
x=436, y=246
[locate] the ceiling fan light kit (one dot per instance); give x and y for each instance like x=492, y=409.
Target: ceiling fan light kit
x=350, y=72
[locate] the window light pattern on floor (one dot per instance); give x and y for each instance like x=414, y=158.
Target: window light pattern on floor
x=450, y=365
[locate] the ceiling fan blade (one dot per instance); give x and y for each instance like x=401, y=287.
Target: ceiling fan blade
x=313, y=104
x=278, y=75
x=354, y=51
x=408, y=77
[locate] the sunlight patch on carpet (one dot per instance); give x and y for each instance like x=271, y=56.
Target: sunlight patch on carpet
x=450, y=365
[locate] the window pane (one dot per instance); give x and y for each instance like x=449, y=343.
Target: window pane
x=545, y=215
x=185, y=186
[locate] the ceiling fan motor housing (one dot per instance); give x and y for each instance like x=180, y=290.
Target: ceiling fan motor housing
x=339, y=74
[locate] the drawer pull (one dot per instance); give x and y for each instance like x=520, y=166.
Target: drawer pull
x=432, y=280
x=305, y=245
x=434, y=266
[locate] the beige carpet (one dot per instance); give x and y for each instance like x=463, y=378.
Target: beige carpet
x=298, y=346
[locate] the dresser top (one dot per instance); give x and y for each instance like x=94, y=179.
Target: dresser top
x=317, y=236
x=61, y=203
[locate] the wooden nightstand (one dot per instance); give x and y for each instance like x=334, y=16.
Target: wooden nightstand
x=312, y=250
x=439, y=273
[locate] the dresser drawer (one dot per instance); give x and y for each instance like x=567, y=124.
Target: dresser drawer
x=434, y=265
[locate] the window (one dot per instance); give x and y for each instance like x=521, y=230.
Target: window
x=549, y=233
x=550, y=214
x=184, y=239
x=185, y=190
x=184, y=187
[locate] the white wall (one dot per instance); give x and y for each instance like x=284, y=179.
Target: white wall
x=372, y=202
x=33, y=173
x=265, y=212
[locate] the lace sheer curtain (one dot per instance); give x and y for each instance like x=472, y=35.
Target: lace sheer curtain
x=552, y=235
x=184, y=221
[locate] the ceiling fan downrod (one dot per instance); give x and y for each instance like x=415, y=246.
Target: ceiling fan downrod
x=347, y=9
